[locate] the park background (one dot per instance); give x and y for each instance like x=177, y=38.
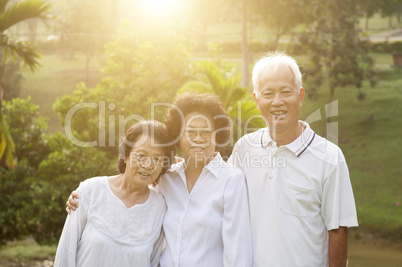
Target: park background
x=124, y=55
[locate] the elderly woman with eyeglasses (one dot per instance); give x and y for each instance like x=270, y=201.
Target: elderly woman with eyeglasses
x=119, y=222
x=207, y=218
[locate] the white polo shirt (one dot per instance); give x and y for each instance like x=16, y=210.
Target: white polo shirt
x=297, y=193
x=210, y=226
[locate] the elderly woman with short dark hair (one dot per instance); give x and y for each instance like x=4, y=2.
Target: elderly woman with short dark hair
x=207, y=220
x=119, y=222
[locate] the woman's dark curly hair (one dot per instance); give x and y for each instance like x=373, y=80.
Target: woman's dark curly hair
x=153, y=129
x=205, y=104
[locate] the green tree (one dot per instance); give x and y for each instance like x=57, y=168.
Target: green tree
x=10, y=15
x=32, y=196
x=62, y=171
x=219, y=77
x=15, y=219
x=337, y=55
x=143, y=67
x=280, y=17
x=389, y=8
x=85, y=26
x=27, y=129
x=368, y=8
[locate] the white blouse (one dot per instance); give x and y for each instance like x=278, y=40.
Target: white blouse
x=104, y=232
x=210, y=225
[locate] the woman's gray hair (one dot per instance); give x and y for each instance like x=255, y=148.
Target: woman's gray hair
x=273, y=61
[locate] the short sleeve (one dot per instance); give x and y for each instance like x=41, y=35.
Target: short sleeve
x=338, y=204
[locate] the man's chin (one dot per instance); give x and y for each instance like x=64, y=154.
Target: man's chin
x=277, y=124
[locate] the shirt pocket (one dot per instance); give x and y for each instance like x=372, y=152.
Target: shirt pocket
x=295, y=200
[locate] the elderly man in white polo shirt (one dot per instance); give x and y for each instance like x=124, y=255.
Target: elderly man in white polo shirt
x=301, y=198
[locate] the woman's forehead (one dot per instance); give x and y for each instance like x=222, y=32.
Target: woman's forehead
x=198, y=120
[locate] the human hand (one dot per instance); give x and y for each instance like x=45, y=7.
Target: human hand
x=178, y=159
x=71, y=203
x=155, y=183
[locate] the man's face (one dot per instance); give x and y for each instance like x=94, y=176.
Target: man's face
x=278, y=99
x=198, y=140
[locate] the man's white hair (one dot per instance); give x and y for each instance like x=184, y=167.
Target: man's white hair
x=273, y=61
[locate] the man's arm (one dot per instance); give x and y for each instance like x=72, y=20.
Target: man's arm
x=338, y=247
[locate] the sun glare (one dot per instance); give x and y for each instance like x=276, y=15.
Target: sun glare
x=160, y=8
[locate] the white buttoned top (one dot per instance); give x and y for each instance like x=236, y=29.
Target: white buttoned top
x=208, y=227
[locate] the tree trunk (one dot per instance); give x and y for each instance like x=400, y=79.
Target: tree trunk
x=366, y=26
x=114, y=11
x=1, y=97
x=277, y=37
x=390, y=21
x=88, y=59
x=244, y=48
x=1, y=87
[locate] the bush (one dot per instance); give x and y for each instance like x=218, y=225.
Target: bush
x=15, y=217
x=235, y=47
x=385, y=47
x=57, y=176
x=27, y=129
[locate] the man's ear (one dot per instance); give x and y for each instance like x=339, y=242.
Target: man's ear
x=255, y=101
x=301, y=95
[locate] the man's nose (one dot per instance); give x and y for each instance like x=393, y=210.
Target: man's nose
x=277, y=100
x=198, y=138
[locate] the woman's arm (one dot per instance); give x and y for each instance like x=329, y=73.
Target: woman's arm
x=71, y=235
x=236, y=231
x=157, y=251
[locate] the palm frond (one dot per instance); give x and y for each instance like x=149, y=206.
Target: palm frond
x=21, y=48
x=23, y=10
x=7, y=146
x=195, y=87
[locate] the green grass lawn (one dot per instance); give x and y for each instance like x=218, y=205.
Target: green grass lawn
x=369, y=135
x=377, y=23
x=26, y=253
x=362, y=253
x=57, y=76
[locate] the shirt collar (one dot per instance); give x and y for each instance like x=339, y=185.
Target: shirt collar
x=301, y=143
x=266, y=139
x=214, y=166
x=298, y=146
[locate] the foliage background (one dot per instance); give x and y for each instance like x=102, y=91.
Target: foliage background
x=130, y=65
